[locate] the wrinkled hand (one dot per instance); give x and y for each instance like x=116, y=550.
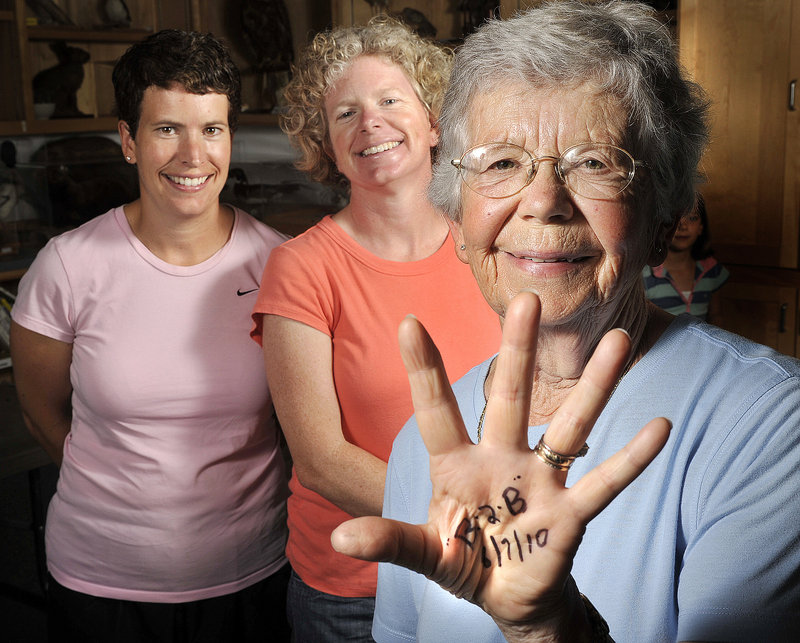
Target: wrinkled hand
x=502, y=528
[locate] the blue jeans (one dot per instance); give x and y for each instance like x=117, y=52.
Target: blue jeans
x=317, y=617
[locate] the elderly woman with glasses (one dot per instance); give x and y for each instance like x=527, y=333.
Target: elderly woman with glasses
x=570, y=141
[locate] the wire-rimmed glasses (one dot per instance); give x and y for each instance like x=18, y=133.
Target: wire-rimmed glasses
x=591, y=170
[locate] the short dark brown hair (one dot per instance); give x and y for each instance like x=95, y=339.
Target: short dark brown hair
x=197, y=62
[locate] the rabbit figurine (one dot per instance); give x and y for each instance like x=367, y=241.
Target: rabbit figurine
x=60, y=84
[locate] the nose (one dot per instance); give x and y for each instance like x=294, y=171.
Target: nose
x=545, y=198
x=191, y=148
x=370, y=119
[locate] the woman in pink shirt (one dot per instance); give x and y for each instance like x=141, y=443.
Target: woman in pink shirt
x=136, y=373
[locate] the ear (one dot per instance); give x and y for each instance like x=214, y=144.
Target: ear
x=664, y=234
x=457, y=233
x=434, y=133
x=127, y=142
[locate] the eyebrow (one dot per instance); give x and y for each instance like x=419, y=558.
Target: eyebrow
x=177, y=123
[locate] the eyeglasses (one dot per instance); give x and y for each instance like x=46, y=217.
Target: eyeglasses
x=591, y=170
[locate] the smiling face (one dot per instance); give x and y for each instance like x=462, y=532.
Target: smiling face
x=380, y=132
x=578, y=254
x=182, y=151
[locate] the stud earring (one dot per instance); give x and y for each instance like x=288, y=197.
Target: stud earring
x=463, y=247
x=128, y=158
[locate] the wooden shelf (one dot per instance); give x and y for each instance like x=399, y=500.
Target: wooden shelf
x=76, y=34
x=12, y=128
x=26, y=48
x=70, y=125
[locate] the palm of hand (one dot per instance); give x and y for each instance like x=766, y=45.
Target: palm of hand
x=506, y=536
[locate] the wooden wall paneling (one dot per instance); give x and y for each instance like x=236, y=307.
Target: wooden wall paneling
x=739, y=53
x=791, y=181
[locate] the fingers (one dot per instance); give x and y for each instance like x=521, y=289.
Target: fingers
x=435, y=406
x=574, y=420
x=594, y=491
x=509, y=405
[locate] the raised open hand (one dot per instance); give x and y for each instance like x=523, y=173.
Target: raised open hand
x=503, y=529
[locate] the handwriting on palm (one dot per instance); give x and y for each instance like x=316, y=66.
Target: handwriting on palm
x=508, y=537
x=503, y=529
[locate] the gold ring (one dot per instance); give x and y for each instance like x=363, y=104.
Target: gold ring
x=556, y=460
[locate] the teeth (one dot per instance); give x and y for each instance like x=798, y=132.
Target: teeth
x=380, y=148
x=189, y=182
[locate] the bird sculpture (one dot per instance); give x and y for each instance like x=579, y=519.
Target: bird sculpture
x=267, y=43
x=117, y=14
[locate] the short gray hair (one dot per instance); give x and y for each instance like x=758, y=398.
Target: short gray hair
x=620, y=47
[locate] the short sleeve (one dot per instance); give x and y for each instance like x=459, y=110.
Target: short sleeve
x=291, y=287
x=739, y=573
x=721, y=278
x=45, y=302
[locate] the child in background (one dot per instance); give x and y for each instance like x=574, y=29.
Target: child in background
x=689, y=274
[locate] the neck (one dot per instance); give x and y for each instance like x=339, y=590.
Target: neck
x=397, y=226
x=677, y=259
x=180, y=241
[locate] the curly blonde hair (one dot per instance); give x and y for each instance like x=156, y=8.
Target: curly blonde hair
x=328, y=56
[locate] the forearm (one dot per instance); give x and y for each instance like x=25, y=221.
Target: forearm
x=42, y=379
x=348, y=476
x=49, y=435
x=299, y=365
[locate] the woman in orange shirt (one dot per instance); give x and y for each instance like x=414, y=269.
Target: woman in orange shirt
x=363, y=105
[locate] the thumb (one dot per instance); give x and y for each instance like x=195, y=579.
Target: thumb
x=390, y=541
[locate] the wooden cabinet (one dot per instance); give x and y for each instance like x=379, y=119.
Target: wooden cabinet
x=87, y=53
x=761, y=306
x=747, y=57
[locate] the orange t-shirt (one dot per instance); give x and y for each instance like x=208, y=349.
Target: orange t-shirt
x=323, y=278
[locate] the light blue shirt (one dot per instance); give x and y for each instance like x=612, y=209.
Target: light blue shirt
x=704, y=545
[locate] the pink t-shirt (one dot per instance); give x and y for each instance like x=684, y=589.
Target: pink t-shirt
x=173, y=486
x=324, y=279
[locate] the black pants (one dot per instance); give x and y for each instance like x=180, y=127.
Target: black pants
x=254, y=614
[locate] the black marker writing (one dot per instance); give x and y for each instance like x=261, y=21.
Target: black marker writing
x=492, y=518
x=467, y=532
x=516, y=504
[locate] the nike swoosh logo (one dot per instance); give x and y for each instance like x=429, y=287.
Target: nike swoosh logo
x=245, y=292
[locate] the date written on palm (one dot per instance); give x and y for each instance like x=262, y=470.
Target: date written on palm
x=515, y=546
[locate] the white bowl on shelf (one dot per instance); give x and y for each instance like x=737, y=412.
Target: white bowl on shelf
x=44, y=110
